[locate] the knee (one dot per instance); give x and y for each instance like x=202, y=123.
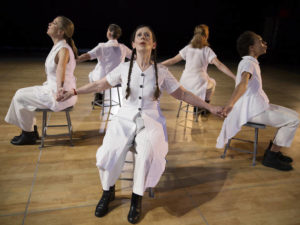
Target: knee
x=19, y=95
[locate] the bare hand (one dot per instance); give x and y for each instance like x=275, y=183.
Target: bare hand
x=59, y=92
x=226, y=110
x=64, y=96
x=216, y=110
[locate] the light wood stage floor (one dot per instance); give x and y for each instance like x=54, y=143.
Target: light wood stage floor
x=60, y=185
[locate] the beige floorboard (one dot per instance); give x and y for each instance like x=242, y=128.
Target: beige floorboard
x=60, y=184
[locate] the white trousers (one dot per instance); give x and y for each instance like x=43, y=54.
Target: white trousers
x=22, y=108
x=143, y=155
x=285, y=119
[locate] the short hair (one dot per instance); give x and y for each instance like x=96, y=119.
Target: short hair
x=244, y=41
x=115, y=30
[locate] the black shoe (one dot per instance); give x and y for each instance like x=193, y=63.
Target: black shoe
x=15, y=139
x=35, y=129
x=271, y=160
x=26, y=138
x=280, y=156
x=135, y=209
x=102, y=206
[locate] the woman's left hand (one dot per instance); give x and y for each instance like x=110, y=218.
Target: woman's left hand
x=216, y=110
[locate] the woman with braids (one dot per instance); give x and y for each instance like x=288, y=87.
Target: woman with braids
x=60, y=65
x=138, y=123
x=198, y=55
x=109, y=55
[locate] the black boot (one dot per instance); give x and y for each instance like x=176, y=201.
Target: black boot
x=102, y=206
x=135, y=209
x=280, y=156
x=271, y=159
x=35, y=131
x=26, y=138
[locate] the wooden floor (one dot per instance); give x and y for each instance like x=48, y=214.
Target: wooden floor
x=59, y=184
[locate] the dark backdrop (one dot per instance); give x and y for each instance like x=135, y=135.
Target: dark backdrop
x=23, y=24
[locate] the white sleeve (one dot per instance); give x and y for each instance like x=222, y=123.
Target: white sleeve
x=114, y=76
x=210, y=54
x=127, y=51
x=183, y=52
x=169, y=84
x=96, y=52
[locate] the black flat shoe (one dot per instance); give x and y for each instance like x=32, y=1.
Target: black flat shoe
x=135, y=209
x=271, y=160
x=102, y=206
x=280, y=156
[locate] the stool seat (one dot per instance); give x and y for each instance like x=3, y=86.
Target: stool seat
x=45, y=124
x=256, y=126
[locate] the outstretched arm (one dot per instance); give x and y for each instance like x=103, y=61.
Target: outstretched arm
x=237, y=93
x=83, y=57
x=61, y=59
x=172, y=61
x=223, y=68
x=97, y=86
x=189, y=97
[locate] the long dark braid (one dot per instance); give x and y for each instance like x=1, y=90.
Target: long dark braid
x=157, y=91
x=129, y=73
x=153, y=56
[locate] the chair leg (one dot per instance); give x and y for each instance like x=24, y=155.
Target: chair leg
x=44, y=127
x=93, y=107
x=119, y=96
x=187, y=110
x=103, y=98
x=196, y=114
x=255, y=146
x=151, y=192
x=69, y=126
x=226, y=148
x=180, y=104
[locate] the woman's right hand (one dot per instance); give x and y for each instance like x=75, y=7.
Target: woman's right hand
x=216, y=110
x=65, y=96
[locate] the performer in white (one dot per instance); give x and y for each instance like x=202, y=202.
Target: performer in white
x=60, y=65
x=139, y=121
x=198, y=55
x=250, y=103
x=109, y=55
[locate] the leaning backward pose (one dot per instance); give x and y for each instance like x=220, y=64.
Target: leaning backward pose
x=60, y=65
x=138, y=123
x=249, y=103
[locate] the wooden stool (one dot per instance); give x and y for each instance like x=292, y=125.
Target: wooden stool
x=256, y=126
x=45, y=124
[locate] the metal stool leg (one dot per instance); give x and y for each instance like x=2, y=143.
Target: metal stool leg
x=103, y=98
x=255, y=146
x=44, y=127
x=151, y=192
x=69, y=126
x=119, y=96
x=196, y=113
x=180, y=104
x=225, y=150
x=187, y=110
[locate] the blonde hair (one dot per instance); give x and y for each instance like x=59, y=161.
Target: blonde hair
x=67, y=26
x=200, y=37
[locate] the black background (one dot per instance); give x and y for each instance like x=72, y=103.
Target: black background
x=23, y=24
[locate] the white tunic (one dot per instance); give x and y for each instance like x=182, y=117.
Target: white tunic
x=109, y=56
x=140, y=102
x=251, y=103
x=194, y=77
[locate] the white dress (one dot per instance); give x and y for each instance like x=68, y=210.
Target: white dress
x=122, y=129
x=253, y=102
x=109, y=55
x=26, y=100
x=194, y=77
